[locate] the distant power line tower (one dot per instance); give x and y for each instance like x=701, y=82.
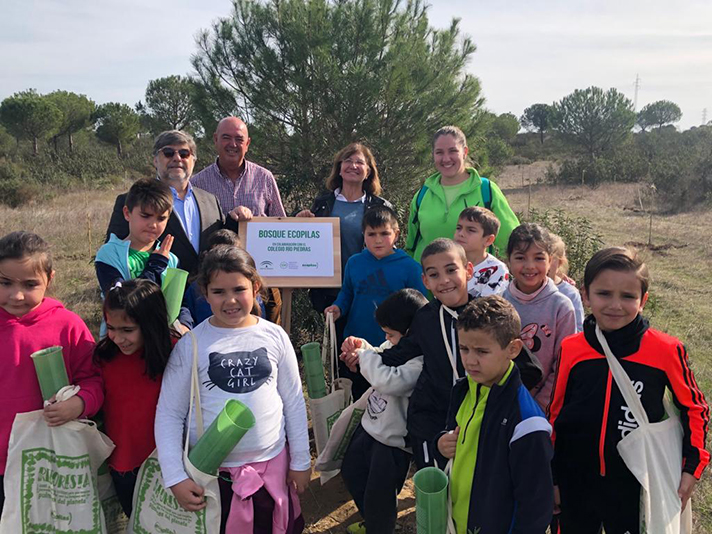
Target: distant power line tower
x=704, y=116
x=637, y=87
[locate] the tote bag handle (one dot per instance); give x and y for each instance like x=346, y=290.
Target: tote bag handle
x=194, y=396
x=329, y=354
x=623, y=381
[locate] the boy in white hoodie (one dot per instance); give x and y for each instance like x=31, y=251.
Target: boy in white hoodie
x=377, y=460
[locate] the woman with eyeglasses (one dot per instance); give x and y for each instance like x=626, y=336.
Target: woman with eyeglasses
x=352, y=188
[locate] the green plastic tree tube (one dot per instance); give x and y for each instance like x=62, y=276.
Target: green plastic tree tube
x=173, y=288
x=51, y=373
x=431, y=501
x=314, y=370
x=222, y=435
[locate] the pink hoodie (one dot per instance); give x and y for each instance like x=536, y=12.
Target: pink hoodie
x=48, y=325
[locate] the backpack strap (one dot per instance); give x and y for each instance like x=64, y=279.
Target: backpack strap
x=486, y=192
x=418, y=201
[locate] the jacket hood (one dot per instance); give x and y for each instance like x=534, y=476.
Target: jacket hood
x=47, y=307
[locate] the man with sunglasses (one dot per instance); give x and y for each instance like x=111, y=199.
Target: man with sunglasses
x=196, y=213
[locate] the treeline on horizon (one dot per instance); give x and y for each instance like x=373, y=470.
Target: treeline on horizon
x=311, y=77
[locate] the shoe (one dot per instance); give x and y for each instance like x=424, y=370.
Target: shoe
x=357, y=528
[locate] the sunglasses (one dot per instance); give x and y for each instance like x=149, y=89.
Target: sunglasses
x=168, y=152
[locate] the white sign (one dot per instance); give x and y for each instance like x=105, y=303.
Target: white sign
x=288, y=249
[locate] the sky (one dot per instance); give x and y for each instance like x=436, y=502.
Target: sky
x=528, y=51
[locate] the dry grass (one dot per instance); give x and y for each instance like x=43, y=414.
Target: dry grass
x=681, y=301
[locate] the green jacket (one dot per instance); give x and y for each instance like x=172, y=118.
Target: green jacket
x=436, y=219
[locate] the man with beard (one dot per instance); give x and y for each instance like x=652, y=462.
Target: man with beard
x=196, y=213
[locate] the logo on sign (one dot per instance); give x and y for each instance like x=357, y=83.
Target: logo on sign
x=284, y=265
x=267, y=265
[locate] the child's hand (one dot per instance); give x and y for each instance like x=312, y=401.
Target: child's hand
x=333, y=309
x=62, y=412
x=165, y=248
x=299, y=479
x=448, y=443
x=351, y=360
x=189, y=495
x=351, y=344
x=687, y=485
x=349, y=352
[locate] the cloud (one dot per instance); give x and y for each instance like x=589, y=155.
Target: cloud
x=528, y=50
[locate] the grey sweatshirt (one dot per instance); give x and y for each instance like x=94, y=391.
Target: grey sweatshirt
x=385, y=416
x=547, y=318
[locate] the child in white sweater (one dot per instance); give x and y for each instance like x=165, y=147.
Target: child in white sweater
x=376, y=462
x=243, y=357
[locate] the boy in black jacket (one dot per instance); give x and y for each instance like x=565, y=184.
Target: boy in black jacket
x=433, y=336
x=496, y=434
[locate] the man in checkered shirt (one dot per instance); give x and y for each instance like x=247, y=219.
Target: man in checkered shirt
x=244, y=189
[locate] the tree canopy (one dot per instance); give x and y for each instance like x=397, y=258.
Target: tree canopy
x=310, y=76
x=537, y=117
x=169, y=104
x=505, y=126
x=594, y=119
x=77, y=113
x=658, y=114
x=28, y=115
x=117, y=124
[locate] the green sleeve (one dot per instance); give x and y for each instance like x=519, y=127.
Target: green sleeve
x=413, y=228
x=507, y=219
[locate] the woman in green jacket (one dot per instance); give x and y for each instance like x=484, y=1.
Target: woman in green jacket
x=436, y=207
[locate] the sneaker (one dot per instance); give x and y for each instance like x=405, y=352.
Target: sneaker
x=357, y=528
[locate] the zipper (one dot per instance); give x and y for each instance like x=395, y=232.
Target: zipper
x=604, y=424
x=472, y=415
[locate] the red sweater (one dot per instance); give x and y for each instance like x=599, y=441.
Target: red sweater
x=129, y=409
x=48, y=325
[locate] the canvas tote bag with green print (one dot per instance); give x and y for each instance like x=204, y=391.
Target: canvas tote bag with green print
x=51, y=475
x=155, y=509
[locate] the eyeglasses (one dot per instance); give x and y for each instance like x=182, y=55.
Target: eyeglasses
x=169, y=152
x=354, y=162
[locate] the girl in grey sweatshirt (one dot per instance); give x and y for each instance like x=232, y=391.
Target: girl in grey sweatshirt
x=547, y=315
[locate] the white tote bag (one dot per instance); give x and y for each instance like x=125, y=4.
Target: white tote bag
x=326, y=411
x=51, y=476
x=155, y=509
x=653, y=453
x=331, y=458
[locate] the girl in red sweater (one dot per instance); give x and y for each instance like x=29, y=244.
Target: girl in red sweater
x=132, y=357
x=30, y=321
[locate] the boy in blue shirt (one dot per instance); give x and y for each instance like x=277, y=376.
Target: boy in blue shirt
x=496, y=435
x=369, y=277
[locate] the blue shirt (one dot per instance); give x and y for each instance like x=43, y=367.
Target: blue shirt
x=187, y=211
x=350, y=215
